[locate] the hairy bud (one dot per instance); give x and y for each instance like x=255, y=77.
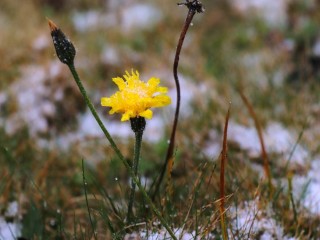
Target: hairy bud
x=64, y=47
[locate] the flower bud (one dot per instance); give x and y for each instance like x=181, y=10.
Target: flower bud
x=138, y=124
x=64, y=47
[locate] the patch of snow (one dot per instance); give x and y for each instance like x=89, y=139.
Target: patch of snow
x=316, y=48
x=190, y=90
x=246, y=137
x=307, y=188
x=55, y=69
x=29, y=92
x=140, y=16
x=312, y=197
x=9, y=231
x=280, y=140
x=277, y=140
x=35, y=96
x=92, y=20
x=13, y=229
x=163, y=234
x=114, y=5
x=273, y=13
x=155, y=129
x=213, y=146
x=110, y=55
x=3, y=98
x=41, y=42
x=132, y=17
x=89, y=127
x=250, y=220
x=12, y=209
x=254, y=64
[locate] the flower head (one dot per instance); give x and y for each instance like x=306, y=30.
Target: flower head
x=135, y=97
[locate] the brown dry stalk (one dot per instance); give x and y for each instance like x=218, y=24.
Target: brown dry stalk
x=223, y=161
x=264, y=154
x=194, y=7
x=169, y=187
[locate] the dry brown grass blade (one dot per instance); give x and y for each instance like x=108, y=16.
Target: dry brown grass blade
x=169, y=190
x=223, y=161
x=264, y=154
x=192, y=196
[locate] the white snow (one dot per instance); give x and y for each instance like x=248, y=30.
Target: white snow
x=9, y=231
x=250, y=219
x=93, y=20
x=132, y=17
x=110, y=55
x=41, y=42
x=189, y=91
x=273, y=13
x=30, y=92
x=213, y=146
x=13, y=229
x=12, y=209
x=140, y=16
x=89, y=127
x=277, y=140
x=163, y=234
x=307, y=188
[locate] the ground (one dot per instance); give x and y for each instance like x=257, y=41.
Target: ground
x=266, y=52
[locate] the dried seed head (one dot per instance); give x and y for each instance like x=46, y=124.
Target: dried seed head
x=194, y=6
x=64, y=47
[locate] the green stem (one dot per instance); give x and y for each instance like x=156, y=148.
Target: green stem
x=137, y=148
x=87, y=202
x=117, y=151
x=93, y=111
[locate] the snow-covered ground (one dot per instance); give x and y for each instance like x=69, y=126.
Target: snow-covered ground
x=10, y=230
x=36, y=101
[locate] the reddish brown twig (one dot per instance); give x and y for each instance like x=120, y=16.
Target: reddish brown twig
x=194, y=7
x=223, y=161
x=264, y=154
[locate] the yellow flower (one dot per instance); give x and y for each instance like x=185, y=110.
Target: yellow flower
x=135, y=97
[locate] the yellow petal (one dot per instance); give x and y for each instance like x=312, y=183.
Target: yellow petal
x=154, y=81
x=106, y=102
x=125, y=117
x=162, y=89
x=147, y=114
x=120, y=83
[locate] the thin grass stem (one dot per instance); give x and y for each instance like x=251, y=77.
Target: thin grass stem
x=292, y=199
x=87, y=202
x=222, y=178
x=137, y=148
x=264, y=154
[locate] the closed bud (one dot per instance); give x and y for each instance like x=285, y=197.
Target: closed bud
x=138, y=124
x=64, y=47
